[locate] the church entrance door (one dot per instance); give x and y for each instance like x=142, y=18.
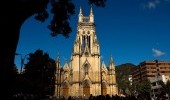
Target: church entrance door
x=86, y=89
x=65, y=90
x=104, y=89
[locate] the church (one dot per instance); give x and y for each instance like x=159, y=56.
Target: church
x=85, y=73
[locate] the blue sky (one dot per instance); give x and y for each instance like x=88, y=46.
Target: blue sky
x=132, y=31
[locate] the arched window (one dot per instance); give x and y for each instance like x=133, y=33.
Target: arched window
x=88, y=41
x=83, y=32
x=88, y=32
x=86, y=68
x=65, y=75
x=83, y=42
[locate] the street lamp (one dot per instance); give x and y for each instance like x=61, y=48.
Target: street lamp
x=22, y=60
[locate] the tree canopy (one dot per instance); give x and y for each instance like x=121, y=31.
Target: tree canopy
x=165, y=87
x=38, y=78
x=122, y=77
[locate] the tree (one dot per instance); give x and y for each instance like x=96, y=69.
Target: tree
x=143, y=88
x=122, y=77
x=17, y=12
x=39, y=76
x=165, y=87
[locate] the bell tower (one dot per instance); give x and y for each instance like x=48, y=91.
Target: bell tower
x=86, y=40
x=85, y=58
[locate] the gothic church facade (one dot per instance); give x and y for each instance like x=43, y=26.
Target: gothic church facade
x=85, y=74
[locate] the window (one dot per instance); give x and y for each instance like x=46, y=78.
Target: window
x=88, y=41
x=66, y=75
x=88, y=32
x=83, y=42
x=86, y=68
x=86, y=19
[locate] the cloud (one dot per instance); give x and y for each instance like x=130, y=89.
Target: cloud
x=151, y=4
x=157, y=53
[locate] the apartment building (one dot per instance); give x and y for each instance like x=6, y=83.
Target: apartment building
x=150, y=69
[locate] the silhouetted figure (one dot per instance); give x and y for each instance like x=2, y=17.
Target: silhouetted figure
x=91, y=97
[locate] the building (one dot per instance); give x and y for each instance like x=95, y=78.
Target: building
x=85, y=74
x=155, y=86
x=130, y=79
x=150, y=69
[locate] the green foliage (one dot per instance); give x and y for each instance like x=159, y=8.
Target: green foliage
x=122, y=74
x=165, y=87
x=40, y=74
x=168, y=87
x=62, y=11
x=143, y=86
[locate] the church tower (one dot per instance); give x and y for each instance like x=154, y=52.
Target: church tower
x=84, y=74
x=86, y=57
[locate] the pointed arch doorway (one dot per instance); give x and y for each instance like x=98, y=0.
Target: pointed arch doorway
x=65, y=90
x=86, y=88
x=104, y=88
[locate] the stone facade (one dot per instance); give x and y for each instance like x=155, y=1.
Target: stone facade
x=84, y=73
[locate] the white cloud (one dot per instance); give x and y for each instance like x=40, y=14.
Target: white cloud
x=152, y=4
x=157, y=53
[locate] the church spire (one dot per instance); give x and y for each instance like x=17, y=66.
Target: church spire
x=103, y=64
x=80, y=19
x=111, y=58
x=80, y=12
x=91, y=15
x=58, y=58
x=111, y=66
x=91, y=11
x=58, y=62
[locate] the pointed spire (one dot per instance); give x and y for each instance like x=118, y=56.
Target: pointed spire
x=91, y=15
x=103, y=64
x=80, y=15
x=58, y=57
x=111, y=58
x=58, y=62
x=91, y=11
x=80, y=11
x=111, y=65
